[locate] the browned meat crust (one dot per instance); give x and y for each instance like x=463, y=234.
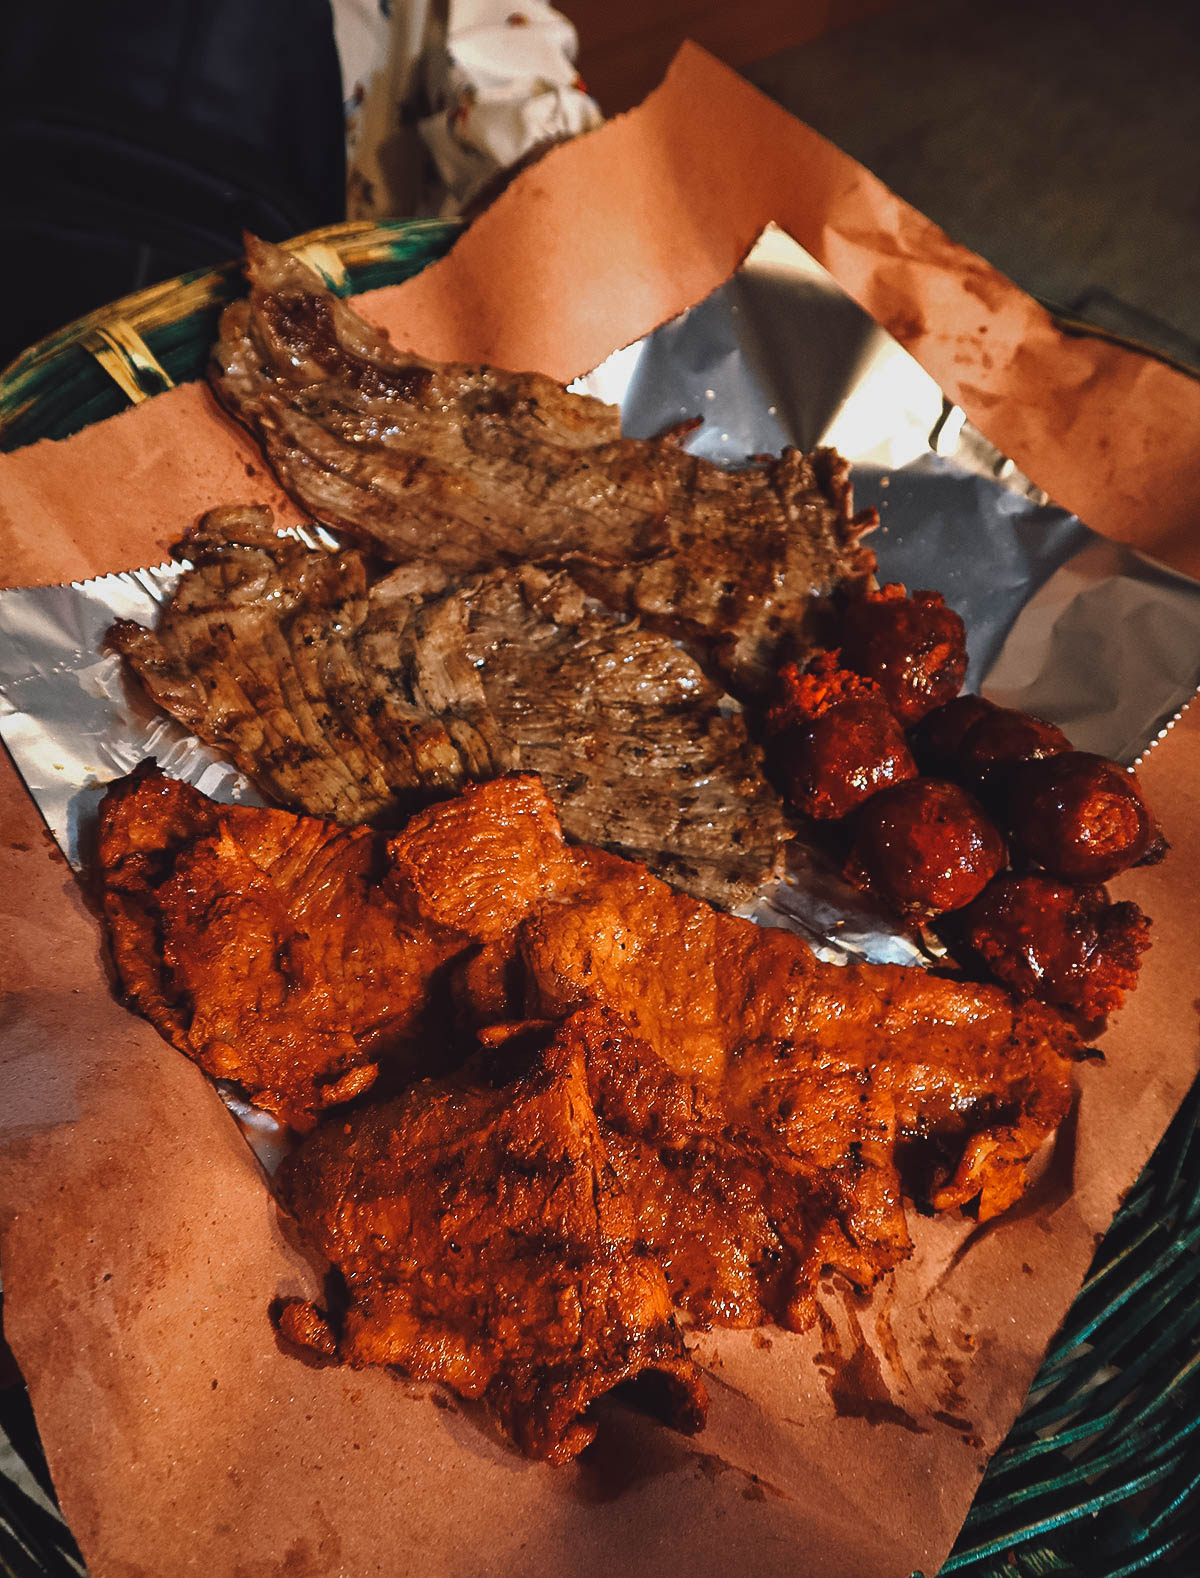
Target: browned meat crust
x=534, y=926
x=842, y=1067
x=518, y=1231
x=358, y=698
x=741, y=1226
x=262, y=944
x=964, y=1066
x=486, y=1241
x=473, y=467
x=723, y=1118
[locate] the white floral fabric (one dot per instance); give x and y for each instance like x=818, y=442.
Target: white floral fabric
x=440, y=101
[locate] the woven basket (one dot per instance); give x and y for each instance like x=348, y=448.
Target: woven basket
x=161, y=336
x=1100, y=1476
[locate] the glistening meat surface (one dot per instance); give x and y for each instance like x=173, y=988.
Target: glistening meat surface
x=475, y=467
x=357, y=696
x=485, y=1240
x=264, y=946
x=857, y=1079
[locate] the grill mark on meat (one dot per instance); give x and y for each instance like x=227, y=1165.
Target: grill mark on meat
x=475, y=467
x=362, y=699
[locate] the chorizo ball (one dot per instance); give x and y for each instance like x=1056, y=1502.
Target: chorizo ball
x=1059, y=942
x=914, y=648
x=924, y=847
x=835, y=739
x=1002, y=737
x=937, y=740
x=1078, y=815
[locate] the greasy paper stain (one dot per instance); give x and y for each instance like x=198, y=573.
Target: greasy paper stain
x=851, y=1369
x=625, y=1458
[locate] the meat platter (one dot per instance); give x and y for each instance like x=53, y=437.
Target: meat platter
x=582, y=1046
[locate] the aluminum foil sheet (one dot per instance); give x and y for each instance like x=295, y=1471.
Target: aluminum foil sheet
x=1060, y=621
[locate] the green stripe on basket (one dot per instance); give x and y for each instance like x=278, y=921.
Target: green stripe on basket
x=127, y=360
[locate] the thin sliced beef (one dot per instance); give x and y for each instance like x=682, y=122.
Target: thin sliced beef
x=641, y=754
x=360, y=697
x=473, y=467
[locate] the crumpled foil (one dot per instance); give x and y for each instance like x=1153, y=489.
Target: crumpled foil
x=1060, y=622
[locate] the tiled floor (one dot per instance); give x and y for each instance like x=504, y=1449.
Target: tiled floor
x=1059, y=138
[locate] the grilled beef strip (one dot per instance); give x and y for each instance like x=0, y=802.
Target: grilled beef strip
x=473, y=467
x=359, y=699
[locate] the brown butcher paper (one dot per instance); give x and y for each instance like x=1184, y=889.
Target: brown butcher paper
x=141, y=1247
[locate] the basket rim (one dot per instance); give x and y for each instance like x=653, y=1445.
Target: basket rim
x=356, y=242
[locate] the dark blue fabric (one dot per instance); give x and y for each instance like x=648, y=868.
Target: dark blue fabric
x=139, y=138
